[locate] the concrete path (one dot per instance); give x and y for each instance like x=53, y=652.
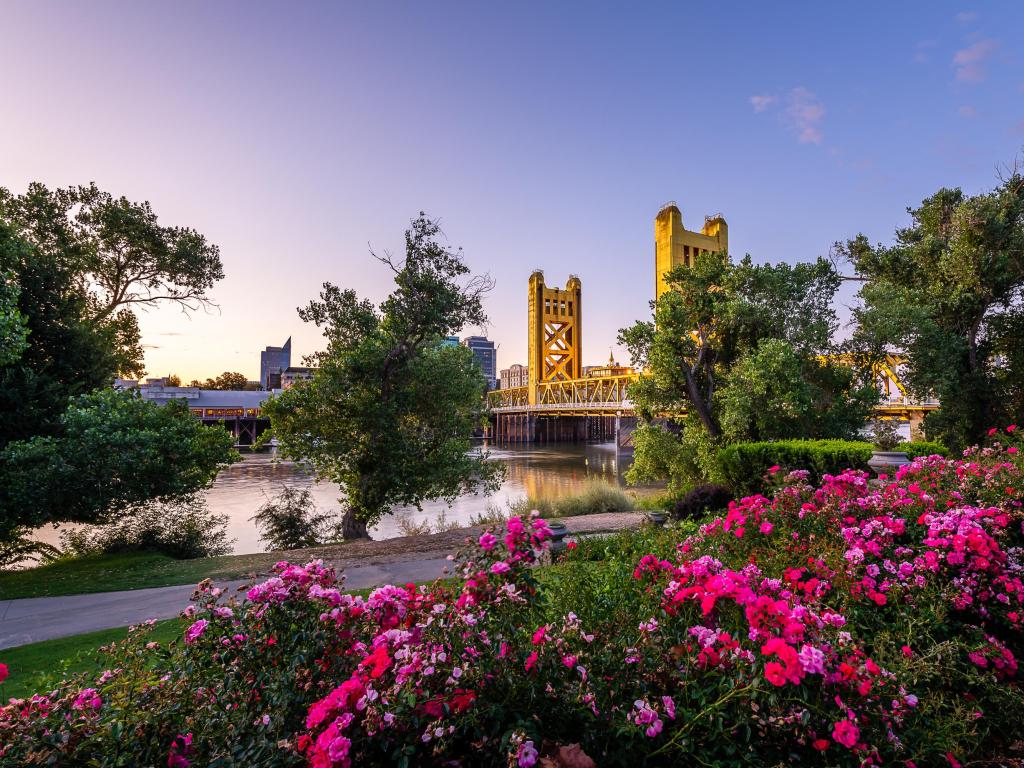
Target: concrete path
x=33, y=619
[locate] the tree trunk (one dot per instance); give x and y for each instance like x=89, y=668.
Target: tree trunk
x=702, y=409
x=352, y=527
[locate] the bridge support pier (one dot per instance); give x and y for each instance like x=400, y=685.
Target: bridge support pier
x=916, y=426
x=624, y=428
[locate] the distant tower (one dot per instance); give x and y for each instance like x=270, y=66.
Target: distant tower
x=675, y=245
x=555, y=341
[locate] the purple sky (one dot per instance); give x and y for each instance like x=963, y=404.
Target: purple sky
x=542, y=135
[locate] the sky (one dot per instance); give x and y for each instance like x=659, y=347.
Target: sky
x=295, y=136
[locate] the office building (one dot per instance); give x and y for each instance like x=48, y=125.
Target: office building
x=273, y=362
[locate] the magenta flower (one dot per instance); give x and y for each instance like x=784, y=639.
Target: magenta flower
x=195, y=631
x=846, y=733
x=487, y=541
x=527, y=755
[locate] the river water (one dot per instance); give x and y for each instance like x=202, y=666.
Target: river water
x=535, y=471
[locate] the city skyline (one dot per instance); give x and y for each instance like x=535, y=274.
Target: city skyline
x=541, y=137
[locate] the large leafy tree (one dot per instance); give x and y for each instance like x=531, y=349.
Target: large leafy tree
x=82, y=261
x=229, y=381
x=743, y=350
x=66, y=354
x=114, y=451
x=13, y=329
x=389, y=412
x=949, y=294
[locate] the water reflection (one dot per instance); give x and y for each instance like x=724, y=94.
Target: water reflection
x=538, y=471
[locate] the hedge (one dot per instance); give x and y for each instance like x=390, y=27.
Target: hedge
x=744, y=465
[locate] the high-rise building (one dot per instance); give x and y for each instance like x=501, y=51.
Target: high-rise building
x=486, y=357
x=450, y=341
x=273, y=362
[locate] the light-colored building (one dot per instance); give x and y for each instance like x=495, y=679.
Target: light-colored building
x=516, y=375
x=293, y=374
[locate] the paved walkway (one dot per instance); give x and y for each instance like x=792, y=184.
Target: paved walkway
x=365, y=564
x=43, y=618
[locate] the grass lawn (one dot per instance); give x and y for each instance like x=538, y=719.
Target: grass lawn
x=32, y=667
x=103, y=573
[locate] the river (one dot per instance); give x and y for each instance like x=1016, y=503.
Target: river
x=535, y=471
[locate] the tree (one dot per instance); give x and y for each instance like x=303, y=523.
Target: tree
x=290, y=520
x=82, y=260
x=114, y=451
x=173, y=380
x=67, y=354
x=388, y=414
x=13, y=328
x=741, y=349
x=121, y=251
x=949, y=295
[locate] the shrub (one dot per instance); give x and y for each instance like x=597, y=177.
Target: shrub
x=290, y=520
x=913, y=448
x=19, y=549
x=846, y=624
x=745, y=465
x=182, y=527
x=699, y=501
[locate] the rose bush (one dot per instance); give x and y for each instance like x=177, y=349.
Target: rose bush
x=847, y=623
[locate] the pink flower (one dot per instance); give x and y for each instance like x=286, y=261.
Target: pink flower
x=670, y=707
x=181, y=747
x=1012, y=449
x=540, y=635
x=3, y=672
x=766, y=527
x=500, y=567
x=531, y=661
x=527, y=755
x=87, y=699
x=907, y=652
x=1011, y=429
x=487, y=541
x=846, y=733
x=773, y=470
x=195, y=631
x=992, y=431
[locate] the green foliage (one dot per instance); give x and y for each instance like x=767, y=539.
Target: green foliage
x=290, y=520
x=67, y=353
x=227, y=381
x=389, y=411
x=13, y=328
x=81, y=260
x=949, y=294
x=744, y=465
x=180, y=527
x=771, y=393
x=19, y=548
x=916, y=448
x=741, y=348
x=114, y=451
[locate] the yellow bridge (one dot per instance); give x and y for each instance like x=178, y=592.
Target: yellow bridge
x=562, y=401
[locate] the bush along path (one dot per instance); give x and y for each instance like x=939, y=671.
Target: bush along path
x=837, y=625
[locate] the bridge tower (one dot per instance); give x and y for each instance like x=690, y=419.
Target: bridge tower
x=555, y=341
x=675, y=245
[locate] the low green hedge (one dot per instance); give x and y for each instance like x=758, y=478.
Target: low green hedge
x=917, y=448
x=744, y=465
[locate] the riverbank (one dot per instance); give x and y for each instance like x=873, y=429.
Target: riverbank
x=107, y=573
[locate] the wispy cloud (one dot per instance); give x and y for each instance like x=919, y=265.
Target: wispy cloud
x=922, y=50
x=801, y=110
x=970, y=61
x=967, y=111
x=762, y=102
x=804, y=112
x=965, y=17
